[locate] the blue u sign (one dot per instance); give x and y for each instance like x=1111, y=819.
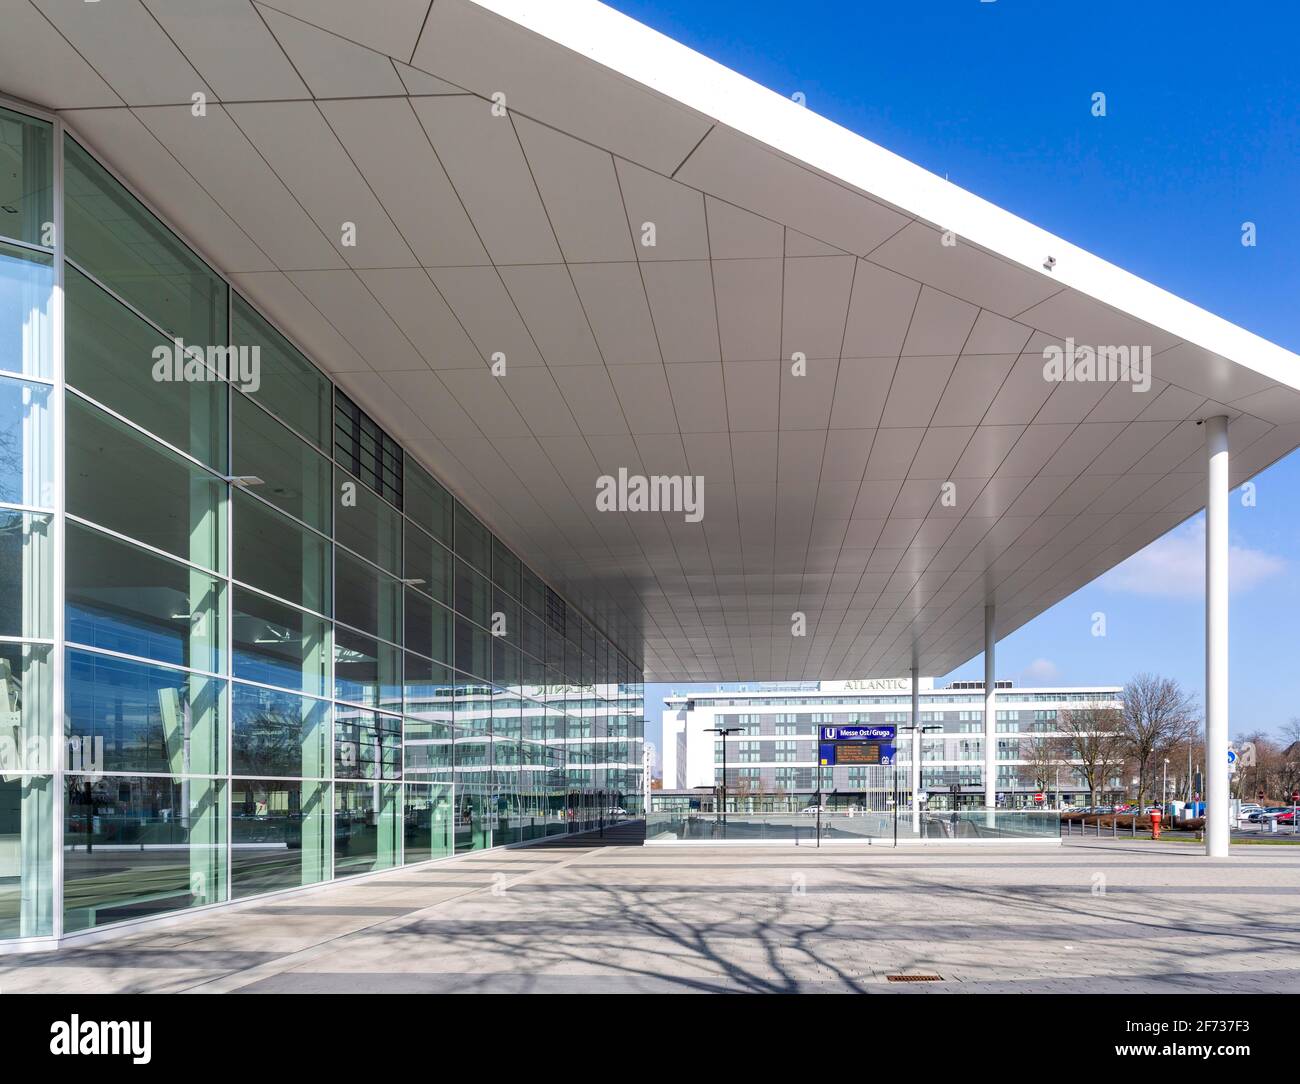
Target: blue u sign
x=858, y=733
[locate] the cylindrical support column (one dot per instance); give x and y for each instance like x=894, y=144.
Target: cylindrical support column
x=1217, y=832
x=916, y=755
x=990, y=711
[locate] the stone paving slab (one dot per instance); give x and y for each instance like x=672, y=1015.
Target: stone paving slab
x=1091, y=916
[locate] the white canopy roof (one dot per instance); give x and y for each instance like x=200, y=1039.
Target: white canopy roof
x=777, y=233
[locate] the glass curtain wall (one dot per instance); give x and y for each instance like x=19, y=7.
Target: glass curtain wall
x=283, y=652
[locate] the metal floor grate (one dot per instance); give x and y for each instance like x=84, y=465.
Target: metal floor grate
x=914, y=978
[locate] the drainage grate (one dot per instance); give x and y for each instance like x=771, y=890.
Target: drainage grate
x=914, y=978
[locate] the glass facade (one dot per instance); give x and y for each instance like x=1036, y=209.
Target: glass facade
x=282, y=652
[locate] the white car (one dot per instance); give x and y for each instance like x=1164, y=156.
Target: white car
x=1248, y=808
x=813, y=810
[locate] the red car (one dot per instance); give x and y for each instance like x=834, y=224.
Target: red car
x=1286, y=818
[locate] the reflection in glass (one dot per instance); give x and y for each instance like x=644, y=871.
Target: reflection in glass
x=427, y=822
x=25, y=465
x=366, y=598
x=26, y=329
x=366, y=671
x=26, y=709
x=279, y=835
x=366, y=832
x=110, y=358
x=26, y=855
x=277, y=555
x=279, y=734
x=123, y=598
x=26, y=587
x=126, y=716
x=122, y=480
x=279, y=645
x=295, y=477
x=135, y=846
x=111, y=235
x=365, y=524
x=291, y=387
x=26, y=178
x=367, y=745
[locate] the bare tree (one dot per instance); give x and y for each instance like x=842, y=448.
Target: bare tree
x=1155, y=715
x=1092, y=738
x=1042, y=756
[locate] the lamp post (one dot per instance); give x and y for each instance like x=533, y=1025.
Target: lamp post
x=724, y=731
x=917, y=774
x=1164, y=788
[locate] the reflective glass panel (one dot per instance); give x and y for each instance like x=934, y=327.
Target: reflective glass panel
x=112, y=235
x=123, y=598
x=135, y=846
x=278, y=733
x=126, y=482
x=279, y=834
x=126, y=716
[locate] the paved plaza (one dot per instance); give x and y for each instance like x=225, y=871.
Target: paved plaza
x=586, y=915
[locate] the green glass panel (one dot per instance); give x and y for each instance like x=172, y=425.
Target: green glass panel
x=279, y=835
x=123, y=598
x=290, y=386
x=279, y=645
x=115, y=238
x=365, y=524
x=279, y=733
x=279, y=556
x=26, y=856
x=294, y=477
x=136, y=846
x=126, y=482
x=26, y=179
x=110, y=357
x=26, y=575
x=126, y=716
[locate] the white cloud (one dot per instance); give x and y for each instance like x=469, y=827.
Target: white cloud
x=1040, y=672
x=1174, y=566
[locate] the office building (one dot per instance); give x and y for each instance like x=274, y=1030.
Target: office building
x=772, y=758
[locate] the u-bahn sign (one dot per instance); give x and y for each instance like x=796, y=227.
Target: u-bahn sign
x=858, y=733
x=857, y=745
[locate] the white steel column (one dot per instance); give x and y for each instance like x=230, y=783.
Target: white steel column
x=916, y=755
x=990, y=711
x=1216, y=637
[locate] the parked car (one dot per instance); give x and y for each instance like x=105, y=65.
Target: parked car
x=1247, y=808
x=813, y=810
x=1286, y=818
x=1268, y=814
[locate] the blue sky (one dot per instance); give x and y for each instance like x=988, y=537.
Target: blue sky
x=1202, y=133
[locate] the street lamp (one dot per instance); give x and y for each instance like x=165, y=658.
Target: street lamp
x=924, y=729
x=1164, y=791
x=724, y=731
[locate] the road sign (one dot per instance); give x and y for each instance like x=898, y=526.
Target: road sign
x=858, y=733
x=1232, y=760
x=921, y=796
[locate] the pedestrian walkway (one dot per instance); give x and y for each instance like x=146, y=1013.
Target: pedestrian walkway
x=606, y=915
